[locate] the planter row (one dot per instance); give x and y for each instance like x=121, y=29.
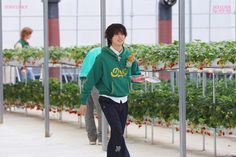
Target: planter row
x=159, y=57
x=160, y=103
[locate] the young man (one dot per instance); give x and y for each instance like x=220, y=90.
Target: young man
x=94, y=133
x=111, y=74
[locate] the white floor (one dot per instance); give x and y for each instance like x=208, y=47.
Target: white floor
x=23, y=136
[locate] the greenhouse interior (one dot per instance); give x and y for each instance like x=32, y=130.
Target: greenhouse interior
x=166, y=88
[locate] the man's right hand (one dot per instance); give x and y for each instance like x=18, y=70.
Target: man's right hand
x=138, y=79
x=82, y=109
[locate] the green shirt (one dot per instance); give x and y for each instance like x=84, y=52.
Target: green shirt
x=23, y=43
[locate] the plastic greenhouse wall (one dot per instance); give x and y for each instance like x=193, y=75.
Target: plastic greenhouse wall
x=212, y=20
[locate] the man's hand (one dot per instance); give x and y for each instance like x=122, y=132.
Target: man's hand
x=138, y=79
x=82, y=109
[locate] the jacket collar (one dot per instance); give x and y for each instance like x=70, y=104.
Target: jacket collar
x=110, y=52
x=115, y=51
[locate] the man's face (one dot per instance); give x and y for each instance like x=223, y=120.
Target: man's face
x=118, y=39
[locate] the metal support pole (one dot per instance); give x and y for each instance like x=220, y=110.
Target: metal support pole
x=157, y=22
x=122, y=12
x=217, y=77
x=145, y=130
x=182, y=90
x=234, y=133
x=225, y=80
x=80, y=88
x=191, y=76
x=79, y=82
x=197, y=79
x=204, y=84
x=214, y=88
x=77, y=23
x=235, y=81
x=194, y=77
x=215, y=152
x=4, y=71
x=177, y=77
x=214, y=101
x=235, y=19
x=209, y=28
x=152, y=137
x=46, y=71
x=203, y=94
x=75, y=75
x=203, y=142
x=172, y=80
x=145, y=85
x=60, y=76
x=173, y=132
x=20, y=15
x=190, y=22
x=1, y=67
x=11, y=74
x=103, y=43
x=103, y=21
x=131, y=22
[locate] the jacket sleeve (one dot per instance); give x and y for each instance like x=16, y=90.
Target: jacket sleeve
x=93, y=78
x=86, y=66
x=135, y=68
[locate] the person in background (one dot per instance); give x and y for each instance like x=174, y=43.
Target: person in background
x=25, y=34
x=111, y=74
x=94, y=133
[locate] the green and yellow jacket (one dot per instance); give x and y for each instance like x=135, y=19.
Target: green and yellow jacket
x=110, y=74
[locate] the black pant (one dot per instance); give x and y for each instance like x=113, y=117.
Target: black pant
x=116, y=115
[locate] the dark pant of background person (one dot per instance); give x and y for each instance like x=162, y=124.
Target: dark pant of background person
x=116, y=115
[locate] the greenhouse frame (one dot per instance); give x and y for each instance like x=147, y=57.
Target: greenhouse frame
x=191, y=73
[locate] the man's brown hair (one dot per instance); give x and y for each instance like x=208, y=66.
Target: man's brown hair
x=113, y=29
